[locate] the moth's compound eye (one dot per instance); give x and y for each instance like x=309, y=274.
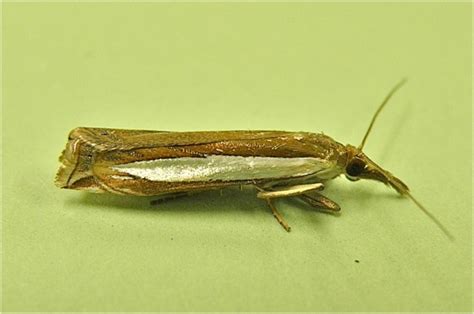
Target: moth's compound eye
x=355, y=167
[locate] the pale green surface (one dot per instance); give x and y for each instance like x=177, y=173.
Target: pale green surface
x=312, y=67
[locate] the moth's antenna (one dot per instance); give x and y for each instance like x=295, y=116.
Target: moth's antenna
x=387, y=98
x=393, y=181
x=431, y=216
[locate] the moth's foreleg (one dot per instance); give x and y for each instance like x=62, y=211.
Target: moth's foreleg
x=319, y=202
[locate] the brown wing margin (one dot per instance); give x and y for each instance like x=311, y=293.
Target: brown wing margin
x=162, y=144
x=103, y=139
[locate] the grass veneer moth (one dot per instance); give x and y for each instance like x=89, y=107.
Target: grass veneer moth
x=167, y=164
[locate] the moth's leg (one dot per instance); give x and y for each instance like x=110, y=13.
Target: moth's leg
x=292, y=190
x=277, y=215
x=275, y=212
x=319, y=201
x=167, y=197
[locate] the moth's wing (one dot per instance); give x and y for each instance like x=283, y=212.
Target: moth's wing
x=109, y=139
x=143, y=187
x=103, y=139
x=241, y=143
x=113, y=147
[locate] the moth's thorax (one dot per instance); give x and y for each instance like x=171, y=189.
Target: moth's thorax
x=329, y=150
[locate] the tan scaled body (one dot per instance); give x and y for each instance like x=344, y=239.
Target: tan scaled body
x=277, y=163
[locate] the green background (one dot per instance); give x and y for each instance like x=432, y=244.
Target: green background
x=211, y=66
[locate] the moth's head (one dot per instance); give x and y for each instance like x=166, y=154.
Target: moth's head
x=359, y=166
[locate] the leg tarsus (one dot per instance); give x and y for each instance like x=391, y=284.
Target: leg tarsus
x=278, y=216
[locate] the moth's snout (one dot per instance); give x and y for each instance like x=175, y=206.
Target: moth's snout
x=360, y=166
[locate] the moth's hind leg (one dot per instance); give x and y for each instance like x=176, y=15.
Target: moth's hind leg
x=319, y=202
x=166, y=197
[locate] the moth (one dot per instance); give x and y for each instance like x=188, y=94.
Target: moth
x=168, y=164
